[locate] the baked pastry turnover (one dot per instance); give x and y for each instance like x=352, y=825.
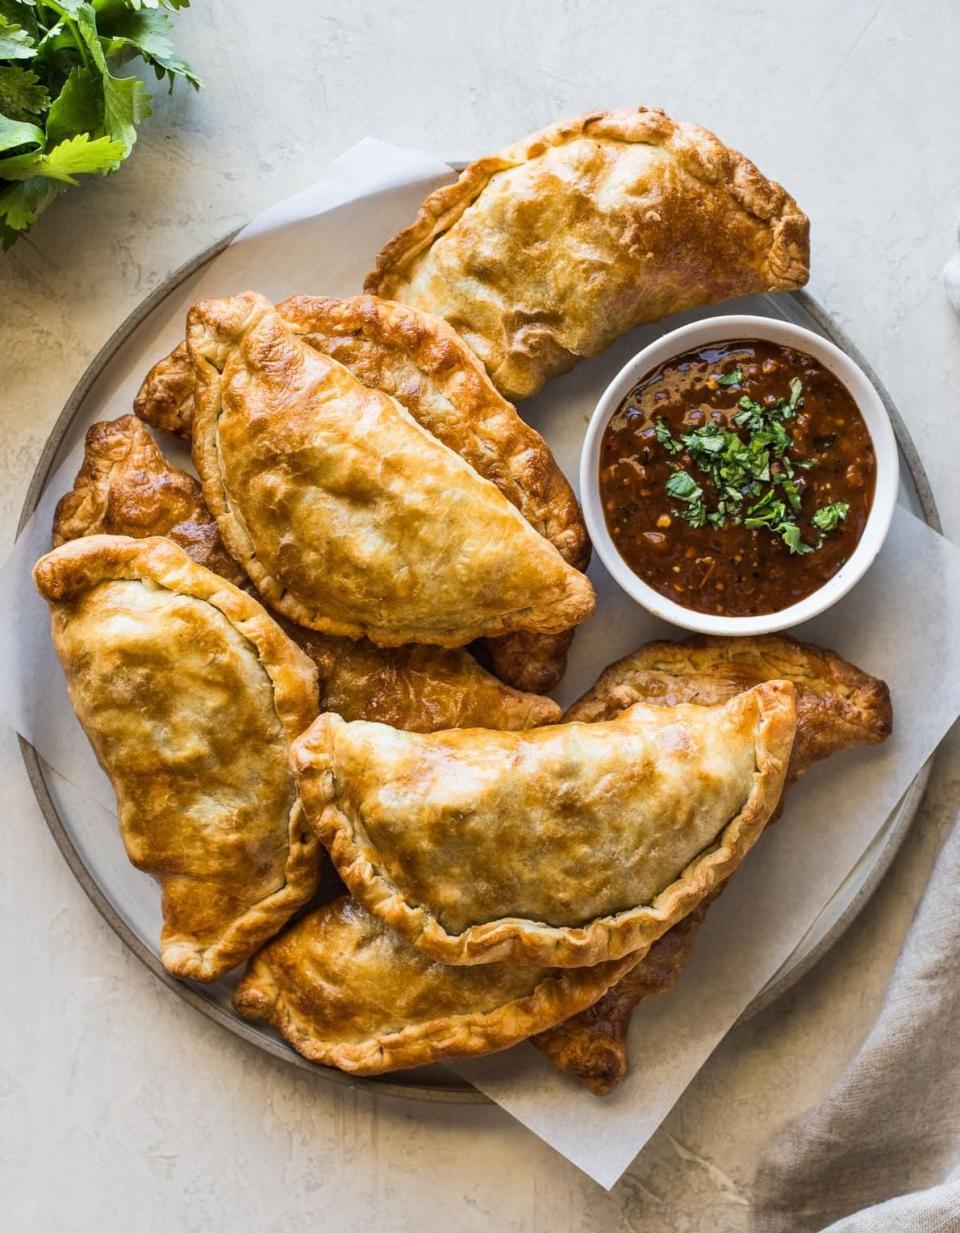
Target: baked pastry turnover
x=561, y=846
x=346, y=991
x=548, y=251
x=838, y=707
x=190, y=695
x=422, y=363
x=348, y=516
x=126, y=487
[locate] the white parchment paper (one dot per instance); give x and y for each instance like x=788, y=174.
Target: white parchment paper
x=899, y=623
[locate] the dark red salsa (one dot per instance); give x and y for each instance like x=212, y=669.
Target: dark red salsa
x=736, y=479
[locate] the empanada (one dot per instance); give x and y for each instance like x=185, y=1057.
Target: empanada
x=346, y=991
x=561, y=846
x=419, y=360
x=838, y=707
x=550, y=250
x=349, y=517
x=190, y=695
x=126, y=487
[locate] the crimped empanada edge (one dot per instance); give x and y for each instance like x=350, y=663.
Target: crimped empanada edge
x=515, y=940
x=817, y=668
x=83, y=563
x=555, y=998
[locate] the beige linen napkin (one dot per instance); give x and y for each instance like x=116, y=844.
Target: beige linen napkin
x=881, y=1154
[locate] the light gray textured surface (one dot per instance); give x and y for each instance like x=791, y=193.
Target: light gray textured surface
x=119, y=1106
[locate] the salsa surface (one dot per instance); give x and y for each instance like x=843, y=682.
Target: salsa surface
x=745, y=526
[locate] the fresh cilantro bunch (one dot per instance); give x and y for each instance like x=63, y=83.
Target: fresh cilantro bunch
x=753, y=476
x=64, y=111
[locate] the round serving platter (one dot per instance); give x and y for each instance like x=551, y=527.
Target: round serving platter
x=58, y=800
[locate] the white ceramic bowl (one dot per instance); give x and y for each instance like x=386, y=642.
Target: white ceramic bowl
x=727, y=329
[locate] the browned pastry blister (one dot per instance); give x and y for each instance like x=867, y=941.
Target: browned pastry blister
x=346, y=991
x=563, y=846
x=838, y=707
x=190, y=694
x=548, y=251
x=165, y=398
x=419, y=360
x=126, y=487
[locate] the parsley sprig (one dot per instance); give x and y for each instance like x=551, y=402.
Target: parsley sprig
x=753, y=476
x=64, y=109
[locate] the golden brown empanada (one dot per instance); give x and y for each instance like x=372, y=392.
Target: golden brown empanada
x=838, y=707
x=550, y=250
x=564, y=846
x=349, y=517
x=419, y=360
x=346, y=991
x=190, y=695
x=126, y=487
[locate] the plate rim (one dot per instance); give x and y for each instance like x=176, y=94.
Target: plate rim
x=466, y=1094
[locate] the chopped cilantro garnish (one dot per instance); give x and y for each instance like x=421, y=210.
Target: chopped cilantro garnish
x=829, y=517
x=666, y=439
x=790, y=534
x=733, y=377
x=750, y=470
x=683, y=486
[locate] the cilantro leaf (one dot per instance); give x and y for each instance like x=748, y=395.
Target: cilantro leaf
x=15, y=133
x=147, y=34
x=829, y=517
x=22, y=204
x=78, y=108
x=75, y=156
x=796, y=389
x=125, y=99
x=15, y=42
x=666, y=439
x=789, y=532
x=793, y=493
x=22, y=97
x=733, y=377
x=683, y=486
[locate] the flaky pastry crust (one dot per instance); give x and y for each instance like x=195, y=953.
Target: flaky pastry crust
x=548, y=251
x=565, y=846
x=126, y=487
x=346, y=991
x=348, y=516
x=190, y=694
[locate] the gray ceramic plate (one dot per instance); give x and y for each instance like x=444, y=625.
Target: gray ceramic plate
x=436, y=1082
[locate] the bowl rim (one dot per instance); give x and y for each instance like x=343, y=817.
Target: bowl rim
x=728, y=328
